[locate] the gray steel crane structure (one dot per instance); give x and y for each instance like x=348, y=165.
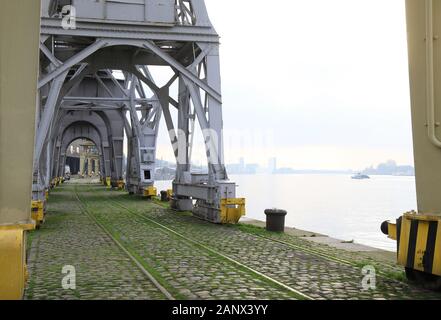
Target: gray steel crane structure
x=95, y=83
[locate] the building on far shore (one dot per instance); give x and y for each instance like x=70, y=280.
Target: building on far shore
x=390, y=168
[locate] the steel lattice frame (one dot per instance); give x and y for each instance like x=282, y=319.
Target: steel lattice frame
x=77, y=79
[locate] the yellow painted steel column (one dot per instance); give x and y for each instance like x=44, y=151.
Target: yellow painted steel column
x=404, y=242
x=19, y=61
x=421, y=245
x=424, y=16
x=437, y=258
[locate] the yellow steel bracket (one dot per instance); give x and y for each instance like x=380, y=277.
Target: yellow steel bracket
x=121, y=184
x=108, y=182
x=150, y=192
x=37, y=213
x=392, y=231
x=13, y=260
x=232, y=210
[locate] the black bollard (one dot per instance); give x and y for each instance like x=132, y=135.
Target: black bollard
x=275, y=220
x=164, y=196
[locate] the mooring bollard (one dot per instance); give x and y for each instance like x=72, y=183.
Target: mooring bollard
x=275, y=220
x=164, y=196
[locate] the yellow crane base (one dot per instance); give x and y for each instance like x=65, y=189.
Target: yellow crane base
x=121, y=184
x=418, y=245
x=13, y=260
x=37, y=212
x=232, y=210
x=150, y=192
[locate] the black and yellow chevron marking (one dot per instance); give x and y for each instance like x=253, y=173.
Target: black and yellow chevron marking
x=419, y=243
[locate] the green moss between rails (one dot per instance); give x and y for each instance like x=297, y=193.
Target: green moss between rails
x=217, y=257
x=132, y=251
x=157, y=275
x=140, y=204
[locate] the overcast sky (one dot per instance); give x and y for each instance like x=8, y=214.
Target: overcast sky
x=318, y=84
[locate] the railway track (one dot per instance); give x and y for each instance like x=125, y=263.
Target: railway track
x=316, y=253
x=173, y=233
x=147, y=274
x=177, y=228
x=321, y=253
x=213, y=251
x=380, y=275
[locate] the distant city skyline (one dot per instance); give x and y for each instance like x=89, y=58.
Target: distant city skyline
x=389, y=167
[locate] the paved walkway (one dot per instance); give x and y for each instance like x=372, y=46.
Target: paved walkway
x=70, y=238
x=190, y=258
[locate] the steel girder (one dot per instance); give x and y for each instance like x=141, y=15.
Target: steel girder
x=107, y=123
x=77, y=76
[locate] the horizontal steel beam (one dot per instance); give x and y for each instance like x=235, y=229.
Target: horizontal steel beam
x=104, y=29
x=195, y=191
x=98, y=108
x=107, y=99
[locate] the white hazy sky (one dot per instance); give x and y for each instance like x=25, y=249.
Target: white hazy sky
x=316, y=83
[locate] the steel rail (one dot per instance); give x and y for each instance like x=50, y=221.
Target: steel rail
x=148, y=275
x=213, y=251
x=318, y=254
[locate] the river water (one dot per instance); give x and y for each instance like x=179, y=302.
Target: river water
x=334, y=205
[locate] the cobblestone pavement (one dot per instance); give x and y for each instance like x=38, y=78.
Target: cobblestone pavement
x=382, y=264
x=186, y=270
x=69, y=237
x=318, y=277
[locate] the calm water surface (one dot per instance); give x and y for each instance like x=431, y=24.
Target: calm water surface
x=334, y=205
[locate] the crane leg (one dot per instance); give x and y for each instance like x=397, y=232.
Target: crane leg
x=19, y=60
x=418, y=234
